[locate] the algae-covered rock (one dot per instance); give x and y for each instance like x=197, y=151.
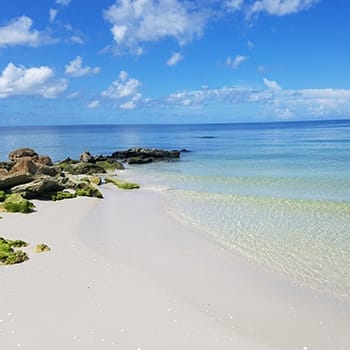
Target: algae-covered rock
x=89, y=191
x=96, y=180
x=10, y=256
x=60, y=195
x=41, y=248
x=139, y=160
x=110, y=165
x=86, y=169
x=2, y=196
x=122, y=184
x=15, y=203
x=38, y=188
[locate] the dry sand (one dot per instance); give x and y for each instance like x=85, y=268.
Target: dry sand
x=124, y=274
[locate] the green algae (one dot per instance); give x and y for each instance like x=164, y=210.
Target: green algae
x=2, y=196
x=124, y=185
x=110, y=166
x=60, y=195
x=89, y=191
x=15, y=203
x=10, y=256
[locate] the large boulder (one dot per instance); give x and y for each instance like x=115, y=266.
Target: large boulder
x=24, y=166
x=17, y=154
x=11, y=180
x=39, y=188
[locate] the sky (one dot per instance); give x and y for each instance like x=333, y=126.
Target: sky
x=172, y=61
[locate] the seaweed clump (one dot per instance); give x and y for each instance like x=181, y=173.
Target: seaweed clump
x=40, y=248
x=124, y=185
x=89, y=191
x=60, y=195
x=10, y=256
x=15, y=203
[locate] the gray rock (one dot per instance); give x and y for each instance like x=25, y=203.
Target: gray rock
x=86, y=157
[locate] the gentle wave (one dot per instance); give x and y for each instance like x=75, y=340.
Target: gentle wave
x=306, y=240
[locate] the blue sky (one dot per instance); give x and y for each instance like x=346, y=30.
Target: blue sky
x=172, y=61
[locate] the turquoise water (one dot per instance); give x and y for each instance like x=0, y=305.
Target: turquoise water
x=276, y=193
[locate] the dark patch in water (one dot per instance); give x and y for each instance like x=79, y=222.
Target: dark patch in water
x=206, y=137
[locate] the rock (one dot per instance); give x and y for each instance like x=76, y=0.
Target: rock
x=151, y=154
x=41, y=248
x=110, y=164
x=184, y=150
x=47, y=170
x=2, y=196
x=124, y=185
x=15, y=203
x=60, y=195
x=96, y=180
x=87, y=169
x=10, y=181
x=14, y=156
x=89, y=191
x=24, y=165
x=45, y=160
x=8, y=255
x=139, y=160
x=6, y=166
x=86, y=157
x=38, y=188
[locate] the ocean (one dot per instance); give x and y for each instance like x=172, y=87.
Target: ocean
x=277, y=194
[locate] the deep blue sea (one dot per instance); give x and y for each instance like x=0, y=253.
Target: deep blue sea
x=276, y=193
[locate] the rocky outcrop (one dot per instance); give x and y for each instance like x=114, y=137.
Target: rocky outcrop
x=145, y=155
x=15, y=203
x=38, y=188
x=17, y=154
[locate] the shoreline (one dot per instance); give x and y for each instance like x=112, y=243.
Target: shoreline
x=123, y=273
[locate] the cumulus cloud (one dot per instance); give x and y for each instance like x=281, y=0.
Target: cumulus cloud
x=271, y=84
x=93, y=104
x=174, y=59
x=123, y=87
x=125, y=90
x=75, y=68
x=281, y=7
x=236, y=62
x=19, y=80
x=135, y=22
x=19, y=32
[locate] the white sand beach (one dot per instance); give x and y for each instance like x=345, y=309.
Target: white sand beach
x=124, y=274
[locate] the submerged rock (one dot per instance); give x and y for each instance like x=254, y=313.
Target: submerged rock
x=124, y=185
x=15, y=203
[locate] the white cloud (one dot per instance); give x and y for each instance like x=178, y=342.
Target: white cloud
x=75, y=68
x=123, y=87
x=19, y=32
x=275, y=102
x=93, y=104
x=63, y=2
x=77, y=39
x=18, y=80
x=234, y=5
x=271, y=84
x=125, y=90
x=135, y=22
x=236, y=62
x=174, y=59
x=52, y=14
x=281, y=7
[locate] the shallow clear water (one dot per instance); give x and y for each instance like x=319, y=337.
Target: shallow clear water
x=276, y=193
